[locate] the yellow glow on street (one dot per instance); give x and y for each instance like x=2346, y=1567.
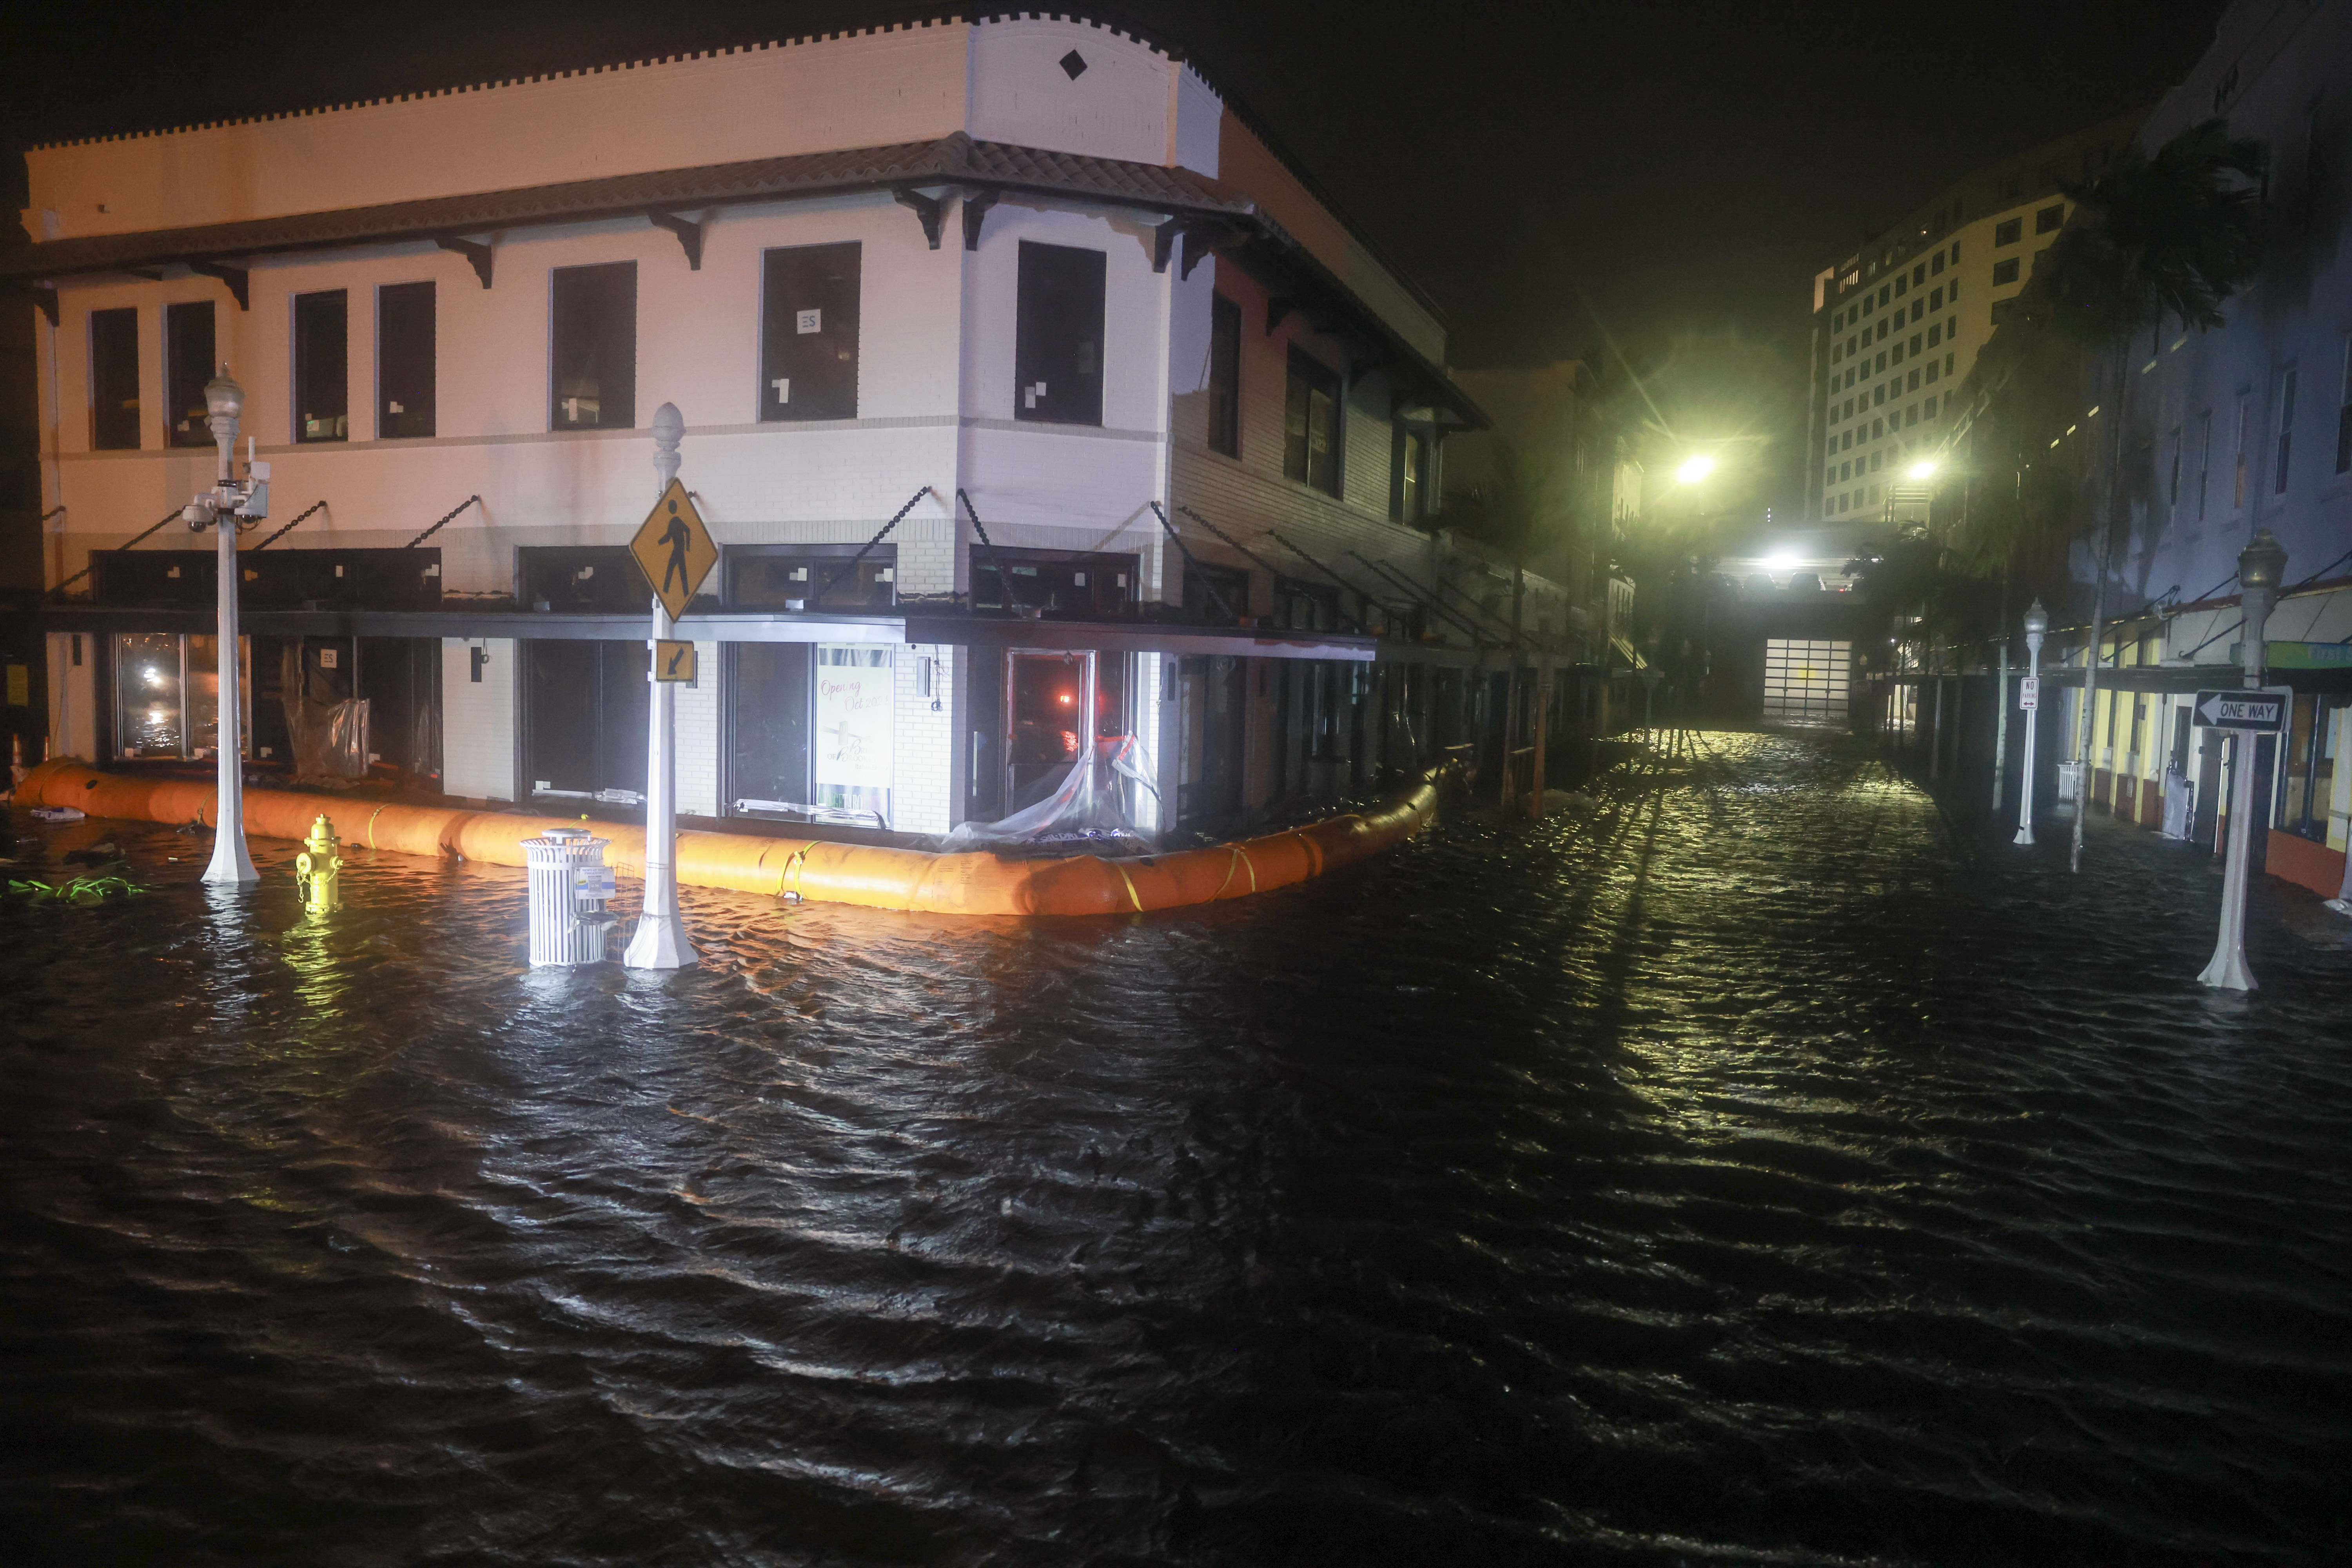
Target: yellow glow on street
x=1695, y=468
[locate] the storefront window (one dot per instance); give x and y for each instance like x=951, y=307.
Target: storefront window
x=167, y=694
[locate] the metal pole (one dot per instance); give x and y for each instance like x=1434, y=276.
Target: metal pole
x=1936, y=735
x=2260, y=565
x=2037, y=626
x=660, y=941
x=231, y=865
x=2001, y=726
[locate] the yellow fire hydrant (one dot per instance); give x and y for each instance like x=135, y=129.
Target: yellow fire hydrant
x=319, y=868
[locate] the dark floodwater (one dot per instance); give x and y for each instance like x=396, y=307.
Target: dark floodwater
x=1762, y=1169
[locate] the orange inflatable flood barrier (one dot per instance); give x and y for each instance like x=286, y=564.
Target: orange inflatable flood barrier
x=977, y=883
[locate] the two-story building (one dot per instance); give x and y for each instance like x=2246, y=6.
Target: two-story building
x=1037, y=401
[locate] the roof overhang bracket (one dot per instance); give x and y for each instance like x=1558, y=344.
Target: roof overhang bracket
x=1164, y=235
x=42, y=295
x=975, y=211
x=689, y=232
x=928, y=210
x=475, y=251
x=1279, y=306
x=238, y=280
x=1198, y=246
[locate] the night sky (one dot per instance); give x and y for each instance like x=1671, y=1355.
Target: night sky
x=1685, y=169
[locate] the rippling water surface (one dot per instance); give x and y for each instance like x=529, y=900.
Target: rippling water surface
x=1761, y=1168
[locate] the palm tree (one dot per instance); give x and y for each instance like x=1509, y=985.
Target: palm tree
x=2168, y=236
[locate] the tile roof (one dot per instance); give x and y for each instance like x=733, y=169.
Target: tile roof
x=955, y=159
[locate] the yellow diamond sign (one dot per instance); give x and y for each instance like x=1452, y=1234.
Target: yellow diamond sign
x=674, y=550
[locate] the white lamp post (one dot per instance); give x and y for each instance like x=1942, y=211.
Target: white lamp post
x=659, y=941
x=221, y=509
x=2037, y=626
x=2260, y=565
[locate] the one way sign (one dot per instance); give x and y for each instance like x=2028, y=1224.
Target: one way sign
x=2264, y=709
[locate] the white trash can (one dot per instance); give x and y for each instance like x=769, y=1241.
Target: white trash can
x=2070, y=782
x=569, y=885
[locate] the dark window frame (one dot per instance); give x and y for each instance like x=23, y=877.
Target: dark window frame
x=1224, y=405
x=322, y=339
x=113, y=346
x=183, y=384
x=405, y=372
x=2005, y=272
x=2009, y=232
x=571, y=304
x=1306, y=375
x=787, y=289
x=1051, y=286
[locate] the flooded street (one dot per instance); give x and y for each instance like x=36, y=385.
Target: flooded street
x=1763, y=1166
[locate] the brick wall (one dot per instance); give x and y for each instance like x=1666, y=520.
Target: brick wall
x=477, y=719
x=697, y=736
x=923, y=737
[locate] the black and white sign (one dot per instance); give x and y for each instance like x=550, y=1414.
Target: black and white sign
x=2029, y=691
x=2244, y=710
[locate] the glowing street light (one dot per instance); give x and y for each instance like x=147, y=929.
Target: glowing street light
x=1924, y=468
x=1695, y=468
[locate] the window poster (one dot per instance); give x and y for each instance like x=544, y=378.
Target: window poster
x=853, y=712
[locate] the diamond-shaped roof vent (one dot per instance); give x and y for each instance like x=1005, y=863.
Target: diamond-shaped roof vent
x=1075, y=63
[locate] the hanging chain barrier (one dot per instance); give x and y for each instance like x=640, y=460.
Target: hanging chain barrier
x=447, y=518
x=314, y=507
x=1362, y=598
x=170, y=517
x=1003, y=578
x=1231, y=614
x=851, y=564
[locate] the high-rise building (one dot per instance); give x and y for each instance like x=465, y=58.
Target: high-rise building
x=1898, y=323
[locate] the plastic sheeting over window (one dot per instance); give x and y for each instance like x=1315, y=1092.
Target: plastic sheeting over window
x=1092, y=811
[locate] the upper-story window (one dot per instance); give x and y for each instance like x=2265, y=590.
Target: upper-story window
x=2004, y=272
x=1224, y=376
x=1311, y=425
x=114, y=380
x=594, y=322
x=808, y=345
x=2050, y=217
x=406, y=361
x=322, y=387
x=1057, y=355
x=2008, y=233
x=187, y=365
x=1409, y=491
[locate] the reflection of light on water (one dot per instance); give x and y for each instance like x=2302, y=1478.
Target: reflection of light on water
x=154, y=675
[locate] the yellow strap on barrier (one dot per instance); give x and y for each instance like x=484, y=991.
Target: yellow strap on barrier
x=1243, y=856
x=790, y=873
x=1131, y=886
x=371, y=827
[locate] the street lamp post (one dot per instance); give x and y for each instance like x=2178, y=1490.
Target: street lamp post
x=222, y=509
x=660, y=941
x=2260, y=565
x=2037, y=626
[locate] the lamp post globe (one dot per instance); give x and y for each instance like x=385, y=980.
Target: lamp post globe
x=2037, y=626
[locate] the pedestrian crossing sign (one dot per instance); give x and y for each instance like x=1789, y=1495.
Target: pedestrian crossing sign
x=674, y=550
x=674, y=661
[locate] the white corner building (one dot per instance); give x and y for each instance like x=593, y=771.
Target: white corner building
x=1155, y=423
